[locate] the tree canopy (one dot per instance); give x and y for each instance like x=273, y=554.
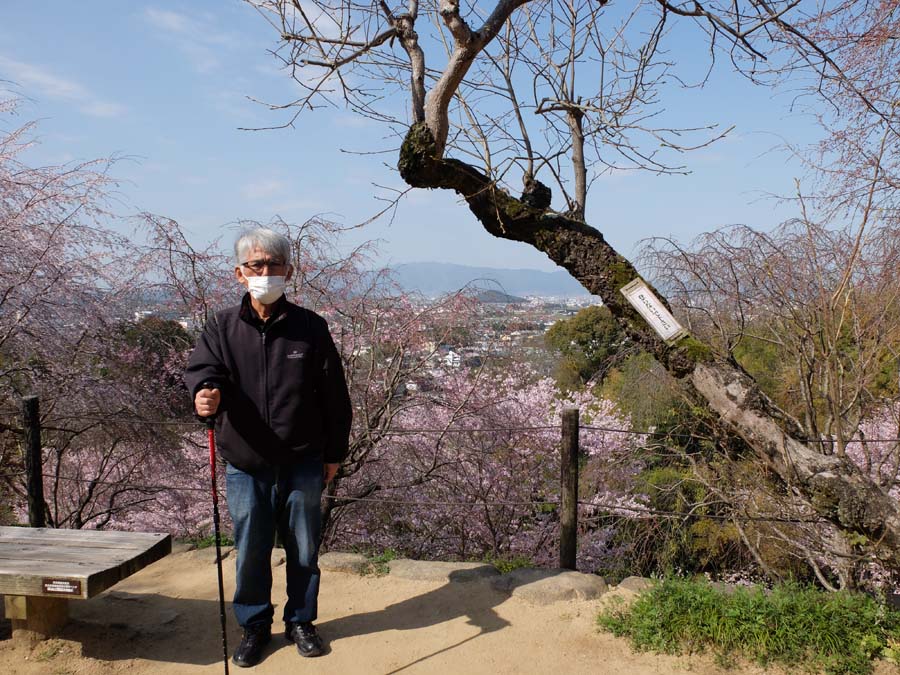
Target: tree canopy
x=587, y=342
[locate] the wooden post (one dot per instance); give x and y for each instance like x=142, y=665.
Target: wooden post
x=568, y=514
x=36, y=618
x=34, y=463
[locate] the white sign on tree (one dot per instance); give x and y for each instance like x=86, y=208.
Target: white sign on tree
x=653, y=311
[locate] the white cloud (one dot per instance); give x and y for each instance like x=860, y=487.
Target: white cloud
x=242, y=112
x=64, y=158
x=323, y=21
x=103, y=109
x=272, y=70
x=202, y=58
x=354, y=122
x=197, y=38
x=423, y=198
x=36, y=77
x=41, y=80
x=294, y=208
x=263, y=188
x=170, y=21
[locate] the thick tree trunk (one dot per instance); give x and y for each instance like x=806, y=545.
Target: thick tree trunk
x=833, y=486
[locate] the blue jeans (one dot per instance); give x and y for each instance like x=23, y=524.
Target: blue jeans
x=286, y=498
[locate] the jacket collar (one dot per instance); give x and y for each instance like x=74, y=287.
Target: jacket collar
x=248, y=314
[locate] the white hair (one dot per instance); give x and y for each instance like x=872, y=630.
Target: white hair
x=270, y=241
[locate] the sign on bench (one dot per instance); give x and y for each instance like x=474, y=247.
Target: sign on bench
x=41, y=569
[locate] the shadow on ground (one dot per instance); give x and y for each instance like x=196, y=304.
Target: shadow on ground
x=434, y=607
x=119, y=626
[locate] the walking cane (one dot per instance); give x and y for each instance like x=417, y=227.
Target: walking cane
x=211, y=432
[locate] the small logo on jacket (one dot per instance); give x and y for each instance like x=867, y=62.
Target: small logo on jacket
x=296, y=355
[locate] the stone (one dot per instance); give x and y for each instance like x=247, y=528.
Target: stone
x=182, y=546
x=635, y=584
x=543, y=586
x=426, y=570
x=164, y=617
x=336, y=561
x=119, y=596
x=893, y=600
x=208, y=554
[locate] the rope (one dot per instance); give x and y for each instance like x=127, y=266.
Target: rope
x=134, y=486
x=457, y=430
x=481, y=504
x=685, y=516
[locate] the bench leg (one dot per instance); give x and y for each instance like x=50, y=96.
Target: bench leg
x=36, y=618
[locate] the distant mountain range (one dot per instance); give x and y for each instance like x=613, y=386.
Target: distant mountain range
x=431, y=278
x=492, y=297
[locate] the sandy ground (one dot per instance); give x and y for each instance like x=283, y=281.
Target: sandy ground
x=165, y=619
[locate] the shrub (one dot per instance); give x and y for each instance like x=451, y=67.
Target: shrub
x=791, y=625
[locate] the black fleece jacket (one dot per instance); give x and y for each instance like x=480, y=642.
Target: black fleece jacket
x=284, y=397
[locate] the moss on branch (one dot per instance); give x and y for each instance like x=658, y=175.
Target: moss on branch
x=570, y=243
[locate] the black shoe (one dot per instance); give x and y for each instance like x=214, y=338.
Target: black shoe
x=249, y=652
x=305, y=636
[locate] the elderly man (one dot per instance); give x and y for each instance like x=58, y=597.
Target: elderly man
x=283, y=421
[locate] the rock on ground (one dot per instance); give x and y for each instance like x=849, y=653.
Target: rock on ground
x=425, y=570
x=635, y=584
x=208, y=554
x=542, y=587
x=335, y=561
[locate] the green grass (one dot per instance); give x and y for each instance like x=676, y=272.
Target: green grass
x=504, y=564
x=210, y=540
x=49, y=651
x=793, y=626
x=378, y=562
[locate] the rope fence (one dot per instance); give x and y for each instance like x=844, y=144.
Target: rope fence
x=681, y=515
x=567, y=506
x=193, y=425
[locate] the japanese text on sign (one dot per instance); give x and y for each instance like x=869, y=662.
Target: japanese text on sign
x=653, y=311
x=61, y=586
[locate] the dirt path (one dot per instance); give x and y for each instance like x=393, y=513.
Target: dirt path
x=165, y=620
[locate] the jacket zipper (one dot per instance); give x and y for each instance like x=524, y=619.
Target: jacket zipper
x=265, y=355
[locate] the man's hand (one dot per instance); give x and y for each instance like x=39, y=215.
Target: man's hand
x=206, y=402
x=330, y=471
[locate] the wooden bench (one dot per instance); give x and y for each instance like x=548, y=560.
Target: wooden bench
x=42, y=569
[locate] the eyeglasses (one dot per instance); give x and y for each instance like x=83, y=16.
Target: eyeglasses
x=257, y=266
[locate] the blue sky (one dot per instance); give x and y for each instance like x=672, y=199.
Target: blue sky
x=166, y=85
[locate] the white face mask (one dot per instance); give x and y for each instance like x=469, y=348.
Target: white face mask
x=265, y=289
